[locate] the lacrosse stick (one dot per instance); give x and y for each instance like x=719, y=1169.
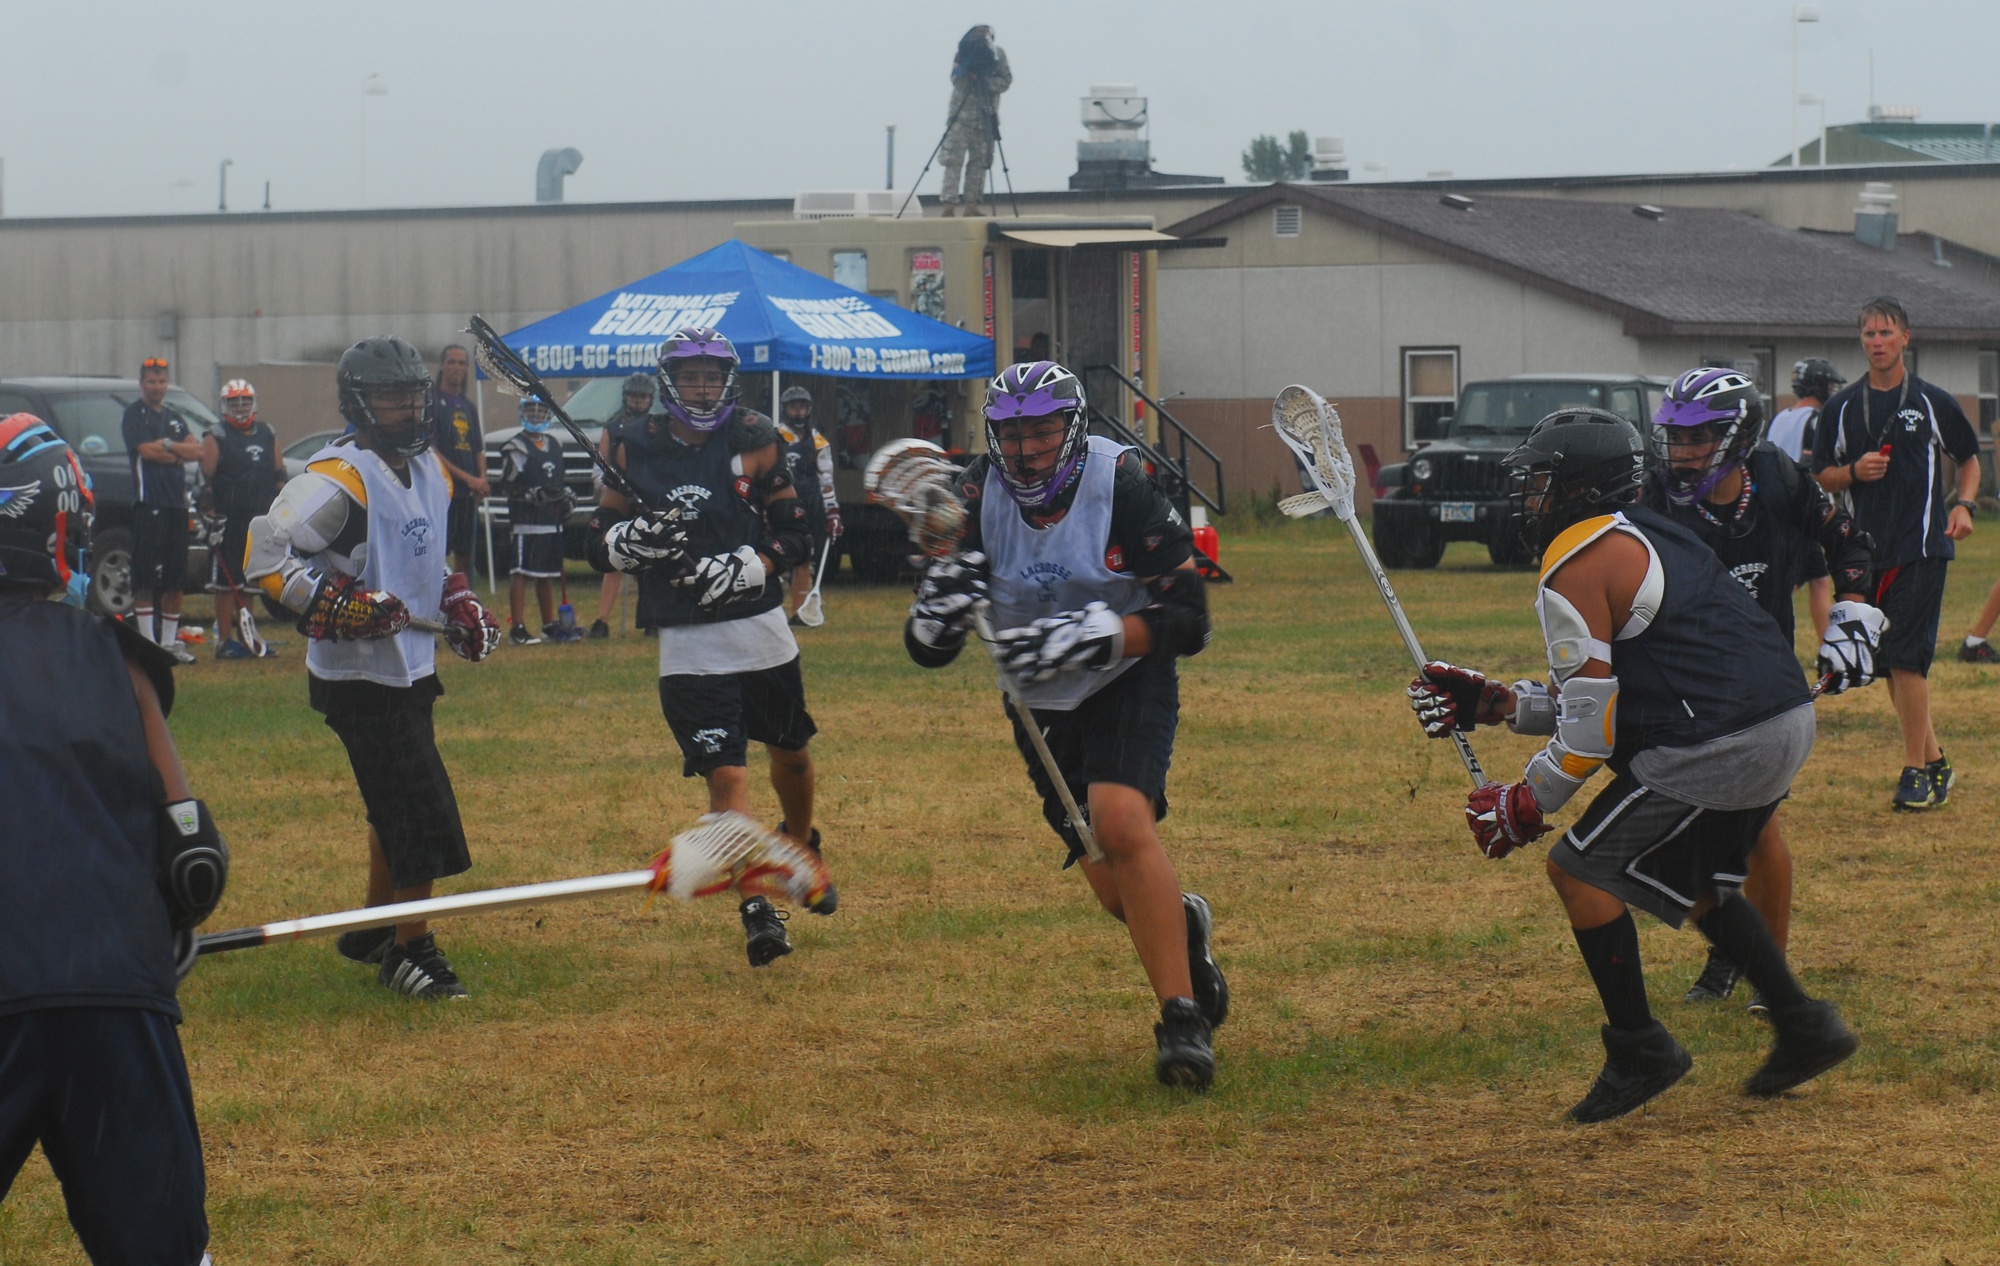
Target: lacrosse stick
x=913, y=478
x=246, y=627
x=812, y=612
x=512, y=375
x=1310, y=427
x=722, y=851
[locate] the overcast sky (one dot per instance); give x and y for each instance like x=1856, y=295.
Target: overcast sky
x=122, y=108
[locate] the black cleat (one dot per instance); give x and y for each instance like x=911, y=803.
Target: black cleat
x=764, y=925
x=1980, y=652
x=1211, y=988
x=599, y=631
x=1717, y=980
x=367, y=945
x=520, y=636
x=831, y=901
x=1811, y=1039
x=1186, y=1059
x=1638, y=1064
x=1757, y=1006
x=420, y=970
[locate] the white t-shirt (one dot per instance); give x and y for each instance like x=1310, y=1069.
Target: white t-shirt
x=1788, y=430
x=731, y=646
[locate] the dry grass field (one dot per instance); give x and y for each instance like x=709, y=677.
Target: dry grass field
x=958, y=1066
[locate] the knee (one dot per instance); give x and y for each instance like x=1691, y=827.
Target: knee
x=791, y=762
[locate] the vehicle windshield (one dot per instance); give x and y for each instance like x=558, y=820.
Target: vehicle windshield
x=92, y=420
x=591, y=405
x=1513, y=408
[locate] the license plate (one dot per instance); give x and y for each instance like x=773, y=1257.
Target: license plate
x=1458, y=512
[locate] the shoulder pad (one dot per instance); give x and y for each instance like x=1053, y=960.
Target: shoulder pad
x=972, y=480
x=343, y=473
x=1574, y=538
x=750, y=430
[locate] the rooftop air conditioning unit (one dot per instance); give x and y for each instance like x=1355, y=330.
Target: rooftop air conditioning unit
x=1329, y=158
x=845, y=204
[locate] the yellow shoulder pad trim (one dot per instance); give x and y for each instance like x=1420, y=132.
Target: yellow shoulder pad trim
x=343, y=473
x=1574, y=538
x=444, y=468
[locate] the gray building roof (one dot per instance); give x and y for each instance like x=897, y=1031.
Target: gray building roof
x=1688, y=272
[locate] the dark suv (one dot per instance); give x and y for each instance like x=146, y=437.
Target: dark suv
x=87, y=412
x=1454, y=488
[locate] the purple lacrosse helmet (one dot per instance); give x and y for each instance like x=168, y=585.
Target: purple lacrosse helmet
x=1724, y=402
x=1039, y=389
x=696, y=342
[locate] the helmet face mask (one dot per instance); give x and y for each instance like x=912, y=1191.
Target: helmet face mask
x=1718, y=410
x=1037, y=430
x=535, y=416
x=239, y=403
x=386, y=393
x=697, y=377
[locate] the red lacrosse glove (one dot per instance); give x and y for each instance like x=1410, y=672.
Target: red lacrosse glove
x=1448, y=698
x=342, y=611
x=462, y=610
x=1503, y=817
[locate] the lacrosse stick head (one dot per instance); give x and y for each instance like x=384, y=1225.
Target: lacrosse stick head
x=729, y=850
x=501, y=363
x=1310, y=426
x=812, y=612
x=915, y=479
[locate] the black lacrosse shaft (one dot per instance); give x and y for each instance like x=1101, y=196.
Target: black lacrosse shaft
x=496, y=348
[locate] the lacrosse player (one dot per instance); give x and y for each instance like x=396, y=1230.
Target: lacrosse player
x=538, y=504
x=245, y=469
x=629, y=421
x=711, y=561
x=1765, y=518
x=356, y=546
x=809, y=463
x=107, y=864
x=1090, y=573
x=1703, y=737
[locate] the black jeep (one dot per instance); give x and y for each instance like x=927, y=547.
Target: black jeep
x=1454, y=488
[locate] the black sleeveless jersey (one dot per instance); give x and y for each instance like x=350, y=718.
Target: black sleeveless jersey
x=533, y=470
x=1761, y=547
x=82, y=921
x=802, y=465
x=718, y=512
x=1710, y=664
x=246, y=478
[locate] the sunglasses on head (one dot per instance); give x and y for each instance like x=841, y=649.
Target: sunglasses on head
x=152, y=362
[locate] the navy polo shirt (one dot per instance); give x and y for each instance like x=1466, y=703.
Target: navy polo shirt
x=1905, y=510
x=159, y=484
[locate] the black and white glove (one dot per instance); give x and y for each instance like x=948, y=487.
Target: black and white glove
x=1091, y=638
x=724, y=578
x=1847, y=652
x=652, y=539
x=951, y=588
x=1447, y=699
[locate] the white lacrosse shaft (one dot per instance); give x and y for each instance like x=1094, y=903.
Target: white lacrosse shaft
x=984, y=626
x=812, y=611
x=450, y=632
x=1310, y=427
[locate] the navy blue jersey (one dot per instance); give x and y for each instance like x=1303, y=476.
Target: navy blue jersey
x=1906, y=510
x=246, y=475
x=455, y=433
x=159, y=483
x=717, y=508
x=82, y=921
x=531, y=470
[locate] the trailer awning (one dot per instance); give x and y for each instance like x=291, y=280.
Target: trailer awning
x=1104, y=239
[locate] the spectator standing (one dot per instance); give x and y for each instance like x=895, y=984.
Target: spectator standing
x=538, y=504
x=245, y=469
x=1884, y=442
x=627, y=426
x=809, y=462
x=459, y=444
x=159, y=442
x=979, y=74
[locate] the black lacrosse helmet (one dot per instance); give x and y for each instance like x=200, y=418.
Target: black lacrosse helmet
x=1816, y=378
x=384, y=363
x=1574, y=464
x=46, y=507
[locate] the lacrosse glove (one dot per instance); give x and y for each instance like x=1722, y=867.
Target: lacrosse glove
x=1091, y=638
x=952, y=586
x=1503, y=817
x=1847, y=653
x=340, y=610
x=463, y=610
x=651, y=539
x=193, y=863
x=1447, y=698
x=724, y=578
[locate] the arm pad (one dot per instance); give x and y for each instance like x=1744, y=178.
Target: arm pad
x=600, y=523
x=193, y=863
x=1534, y=709
x=1584, y=739
x=787, y=541
x=1177, y=617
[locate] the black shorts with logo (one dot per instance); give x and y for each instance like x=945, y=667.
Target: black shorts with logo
x=538, y=555
x=715, y=717
x=1655, y=852
x=226, y=563
x=1123, y=734
x=1912, y=597
x=393, y=750
x=159, y=549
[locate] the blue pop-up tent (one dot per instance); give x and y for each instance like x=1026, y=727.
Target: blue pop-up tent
x=781, y=318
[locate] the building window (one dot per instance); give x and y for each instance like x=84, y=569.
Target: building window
x=1430, y=392
x=1285, y=221
x=850, y=269
x=1989, y=390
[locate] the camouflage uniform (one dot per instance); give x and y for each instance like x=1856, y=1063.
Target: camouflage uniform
x=975, y=122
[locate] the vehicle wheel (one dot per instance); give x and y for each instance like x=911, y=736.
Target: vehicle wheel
x=1418, y=546
x=111, y=572
x=1506, y=550
x=1425, y=549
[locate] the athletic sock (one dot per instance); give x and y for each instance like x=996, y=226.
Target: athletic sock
x=1974, y=641
x=1735, y=928
x=170, y=627
x=143, y=617
x=1612, y=954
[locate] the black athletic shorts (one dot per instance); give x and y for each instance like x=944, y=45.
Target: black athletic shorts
x=159, y=549
x=390, y=743
x=1657, y=853
x=459, y=522
x=226, y=561
x=105, y=1091
x=1911, y=596
x=1123, y=734
x=536, y=554
x=716, y=718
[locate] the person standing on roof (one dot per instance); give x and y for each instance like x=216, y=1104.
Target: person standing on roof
x=979, y=74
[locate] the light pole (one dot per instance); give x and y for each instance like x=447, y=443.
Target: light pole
x=1817, y=99
x=222, y=185
x=1801, y=14
x=375, y=87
